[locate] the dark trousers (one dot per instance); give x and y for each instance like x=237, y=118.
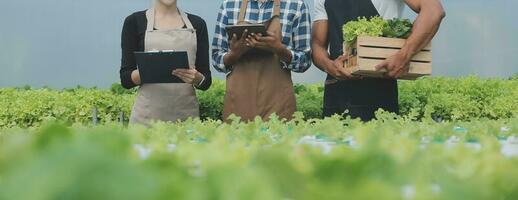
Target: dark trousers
x=361, y=98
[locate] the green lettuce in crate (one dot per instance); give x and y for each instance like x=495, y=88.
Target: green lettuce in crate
x=398, y=28
x=376, y=26
x=363, y=26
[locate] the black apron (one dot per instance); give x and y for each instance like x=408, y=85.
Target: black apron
x=362, y=98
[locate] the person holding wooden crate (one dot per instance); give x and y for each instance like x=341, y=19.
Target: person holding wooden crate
x=259, y=66
x=362, y=97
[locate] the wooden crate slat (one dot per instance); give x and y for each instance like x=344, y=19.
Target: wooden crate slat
x=368, y=52
x=352, y=61
x=385, y=42
x=415, y=67
x=424, y=56
x=367, y=73
x=411, y=77
x=366, y=67
x=360, y=72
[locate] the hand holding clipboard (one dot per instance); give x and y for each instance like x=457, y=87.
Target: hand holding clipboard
x=157, y=66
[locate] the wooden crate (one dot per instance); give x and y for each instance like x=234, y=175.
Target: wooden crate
x=368, y=52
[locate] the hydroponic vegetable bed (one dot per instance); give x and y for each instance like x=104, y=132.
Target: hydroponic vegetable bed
x=391, y=158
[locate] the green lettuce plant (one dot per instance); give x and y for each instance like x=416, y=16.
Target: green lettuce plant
x=376, y=26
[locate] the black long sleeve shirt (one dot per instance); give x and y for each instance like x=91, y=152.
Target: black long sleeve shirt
x=133, y=34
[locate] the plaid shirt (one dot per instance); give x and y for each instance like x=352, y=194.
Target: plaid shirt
x=295, y=23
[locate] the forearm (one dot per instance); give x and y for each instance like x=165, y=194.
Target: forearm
x=231, y=58
x=284, y=54
x=321, y=58
x=204, y=75
x=205, y=82
x=319, y=45
x=425, y=27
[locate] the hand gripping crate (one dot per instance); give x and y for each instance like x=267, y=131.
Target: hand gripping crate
x=369, y=51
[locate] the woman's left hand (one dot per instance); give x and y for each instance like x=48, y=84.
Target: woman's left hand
x=190, y=76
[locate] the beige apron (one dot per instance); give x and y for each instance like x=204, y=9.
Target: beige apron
x=258, y=85
x=167, y=102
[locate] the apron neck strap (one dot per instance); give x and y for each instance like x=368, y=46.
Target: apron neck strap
x=186, y=20
x=276, y=8
x=150, y=15
x=244, y=6
x=242, y=10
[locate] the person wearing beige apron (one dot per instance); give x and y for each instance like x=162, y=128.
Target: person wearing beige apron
x=259, y=82
x=170, y=102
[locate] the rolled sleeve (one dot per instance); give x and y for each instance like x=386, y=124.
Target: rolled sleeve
x=220, y=46
x=301, y=43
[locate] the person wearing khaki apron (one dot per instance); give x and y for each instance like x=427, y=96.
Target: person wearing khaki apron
x=168, y=102
x=259, y=85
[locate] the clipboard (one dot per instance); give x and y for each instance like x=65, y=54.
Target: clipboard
x=240, y=29
x=157, y=66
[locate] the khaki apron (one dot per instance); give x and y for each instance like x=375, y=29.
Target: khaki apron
x=168, y=102
x=258, y=85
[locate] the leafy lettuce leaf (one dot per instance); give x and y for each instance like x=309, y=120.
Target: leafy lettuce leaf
x=376, y=26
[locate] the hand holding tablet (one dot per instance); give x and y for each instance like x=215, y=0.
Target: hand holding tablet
x=239, y=30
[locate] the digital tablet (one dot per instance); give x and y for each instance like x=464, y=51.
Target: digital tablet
x=240, y=29
x=157, y=66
